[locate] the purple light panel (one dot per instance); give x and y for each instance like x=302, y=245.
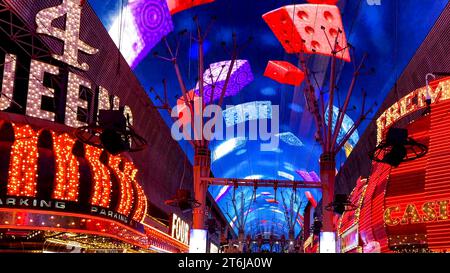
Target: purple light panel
x=310, y=177
x=144, y=24
x=215, y=75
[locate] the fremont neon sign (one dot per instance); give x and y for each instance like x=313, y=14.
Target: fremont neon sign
x=416, y=100
x=38, y=91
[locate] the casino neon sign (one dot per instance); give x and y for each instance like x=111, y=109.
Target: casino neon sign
x=416, y=100
x=417, y=213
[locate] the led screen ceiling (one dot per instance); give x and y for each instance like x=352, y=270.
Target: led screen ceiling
x=397, y=25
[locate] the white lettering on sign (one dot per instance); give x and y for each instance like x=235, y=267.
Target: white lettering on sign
x=180, y=229
x=70, y=36
x=77, y=109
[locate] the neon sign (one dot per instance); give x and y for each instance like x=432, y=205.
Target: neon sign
x=78, y=104
x=350, y=239
x=416, y=214
x=416, y=100
x=22, y=189
x=179, y=229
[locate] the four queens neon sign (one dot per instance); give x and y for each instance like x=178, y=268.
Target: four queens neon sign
x=70, y=37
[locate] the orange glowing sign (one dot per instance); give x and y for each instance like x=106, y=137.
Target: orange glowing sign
x=22, y=179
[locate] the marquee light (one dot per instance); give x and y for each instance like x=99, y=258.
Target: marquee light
x=126, y=189
x=388, y=213
x=102, y=181
x=414, y=101
x=23, y=163
x=37, y=90
x=23, y=174
x=430, y=212
x=9, y=69
x=74, y=102
x=67, y=179
x=141, y=207
x=70, y=36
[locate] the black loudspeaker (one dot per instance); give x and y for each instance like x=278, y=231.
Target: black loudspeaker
x=395, y=156
x=183, y=201
x=397, y=147
x=340, y=201
x=397, y=136
x=114, y=142
x=112, y=119
x=183, y=197
x=113, y=137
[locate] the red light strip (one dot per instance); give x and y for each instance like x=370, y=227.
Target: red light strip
x=126, y=189
x=102, y=181
x=23, y=164
x=67, y=175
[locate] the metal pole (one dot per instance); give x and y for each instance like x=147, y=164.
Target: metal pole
x=202, y=167
x=327, y=176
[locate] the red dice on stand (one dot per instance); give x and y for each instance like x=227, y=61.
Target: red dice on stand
x=180, y=5
x=309, y=28
x=284, y=72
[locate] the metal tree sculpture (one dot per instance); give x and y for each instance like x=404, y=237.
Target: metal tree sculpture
x=202, y=153
x=317, y=29
x=290, y=213
x=241, y=213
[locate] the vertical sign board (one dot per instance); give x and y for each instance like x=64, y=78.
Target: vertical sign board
x=198, y=239
x=350, y=239
x=327, y=242
x=179, y=229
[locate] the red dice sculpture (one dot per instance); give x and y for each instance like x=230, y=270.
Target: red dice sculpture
x=328, y=2
x=309, y=28
x=284, y=72
x=180, y=5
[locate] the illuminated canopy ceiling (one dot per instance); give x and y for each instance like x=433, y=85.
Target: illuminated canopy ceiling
x=389, y=33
